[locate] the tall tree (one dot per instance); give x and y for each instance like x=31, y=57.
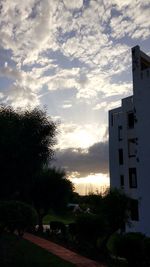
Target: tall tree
x=115, y=209
x=51, y=190
x=26, y=145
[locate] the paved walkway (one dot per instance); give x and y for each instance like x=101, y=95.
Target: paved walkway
x=62, y=252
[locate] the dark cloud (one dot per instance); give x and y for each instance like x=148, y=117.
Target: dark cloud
x=95, y=160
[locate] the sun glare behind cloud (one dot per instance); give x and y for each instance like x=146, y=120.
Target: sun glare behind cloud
x=84, y=139
x=93, y=183
x=81, y=136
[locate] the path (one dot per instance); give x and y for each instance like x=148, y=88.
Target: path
x=62, y=252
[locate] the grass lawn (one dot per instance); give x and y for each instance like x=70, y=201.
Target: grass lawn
x=15, y=252
x=66, y=219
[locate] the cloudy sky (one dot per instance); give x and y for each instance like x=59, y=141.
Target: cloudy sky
x=72, y=57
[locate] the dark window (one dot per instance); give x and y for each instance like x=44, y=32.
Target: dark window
x=130, y=120
x=122, y=181
x=120, y=137
x=144, y=64
x=120, y=156
x=132, y=147
x=132, y=178
x=134, y=209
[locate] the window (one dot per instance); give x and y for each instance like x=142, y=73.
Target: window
x=122, y=181
x=132, y=147
x=130, y=120
x=134, y=209
x=120, y=137
x=144, y=64
x=132, y=178
x=120, y=151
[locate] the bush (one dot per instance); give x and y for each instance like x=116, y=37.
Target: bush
x=113, y=243
x=147, y=250
x=89, y=228
x=15, y=215
x=129, y=246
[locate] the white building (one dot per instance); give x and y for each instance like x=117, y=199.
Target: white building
x=129, y=143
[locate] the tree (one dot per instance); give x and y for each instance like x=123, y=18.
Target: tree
x=26, y=145
x=15, y=215
x=90, y=227
x=51, y=190
x=93, y=201
x=115, y=209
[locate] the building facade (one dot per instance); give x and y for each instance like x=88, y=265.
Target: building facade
x=129, y=144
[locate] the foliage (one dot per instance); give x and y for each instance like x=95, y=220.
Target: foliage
x=57, y=227
x=132, y=246
x=51, y=190
x=147, y=250
x=16, y=252
x=110, y=212
x=115, y=208
x=15, y=215
x=26, y=145
x=65, y=218
x=113, y=243
x=92, y=201
x=90, y=227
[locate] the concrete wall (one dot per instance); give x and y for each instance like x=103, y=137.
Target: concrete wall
x=139, y=104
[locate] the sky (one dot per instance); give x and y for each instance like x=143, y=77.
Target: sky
x=72, y=58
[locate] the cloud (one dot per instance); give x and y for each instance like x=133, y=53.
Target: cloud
x=94, y=160
x=80, y=135
x=32, y=27
x=67, y=106
x=107, y=105
x=20, y=97
x=132, y=20
x=35, y=32
x=73, y=4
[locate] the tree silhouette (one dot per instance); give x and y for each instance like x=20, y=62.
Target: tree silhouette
x=51, y=190
x=26, y=145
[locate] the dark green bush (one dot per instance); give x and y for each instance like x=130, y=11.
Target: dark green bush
x=113, y=243
x=90, y=228
x=147, y=250
x=15, y=215
x=131, y=247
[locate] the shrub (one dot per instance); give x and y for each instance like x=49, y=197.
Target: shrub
x=89, y=228
x=58, y=226
x=113, y=243
x=131, y=247
x=147, y=250
x=15, y=215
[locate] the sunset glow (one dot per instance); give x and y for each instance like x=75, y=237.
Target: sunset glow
x=97, y=183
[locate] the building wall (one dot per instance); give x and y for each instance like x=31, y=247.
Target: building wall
x=141, y=89
x=134, y=142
